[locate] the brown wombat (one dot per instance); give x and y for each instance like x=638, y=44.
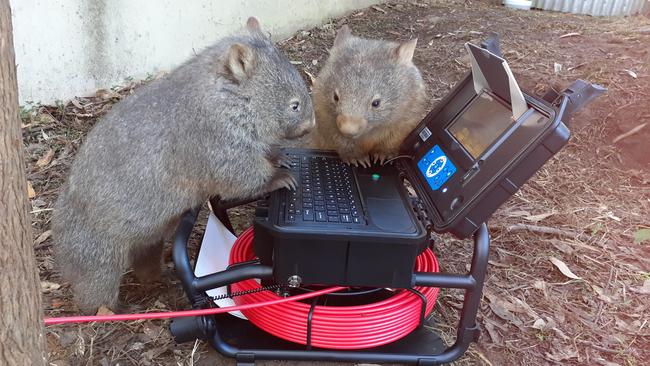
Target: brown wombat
x=368, y=97
x=210, y=127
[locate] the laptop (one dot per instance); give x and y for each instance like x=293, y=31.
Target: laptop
x=357, y=226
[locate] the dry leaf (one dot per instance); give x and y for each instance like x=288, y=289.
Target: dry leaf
x=572, y=34
x=103, y=310
x=379, y=9
x=540, y=217
x=644, y=290
x=57, y=303
x=539, y=324
x=47, y=286
x=31, y=193
x=501, y=308
x=631, y=73
x=46, y=159
x=494, y=334
x=47, y=118
x=629, y=133
x=76, y=103
x=43, y=237
x=557, y=67
x=518, y=213
x=563, y=268
x=559, y=356
x=601, y=294
x=641, y=236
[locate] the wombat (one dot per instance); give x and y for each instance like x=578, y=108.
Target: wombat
x=368, y=97
x=210, y=127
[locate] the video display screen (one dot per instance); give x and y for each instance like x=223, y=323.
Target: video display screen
x=481, y=124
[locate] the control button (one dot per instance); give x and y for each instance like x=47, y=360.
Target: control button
x=375, y=177
x=469, y=174
x=308, y=215
x=333, y=218
x=356, y=220
x=291, y=218
x=345, y=218
x=456, y=202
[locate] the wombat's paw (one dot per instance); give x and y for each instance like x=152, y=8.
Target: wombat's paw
x=284, y=179
x=363, y=161
x=382, y=158
x=283, y=161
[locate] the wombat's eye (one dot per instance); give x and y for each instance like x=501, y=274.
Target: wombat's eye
x=376, y=103
x=295, y=105
x=336, y=96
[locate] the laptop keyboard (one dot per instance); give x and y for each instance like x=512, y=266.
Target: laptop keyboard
x=326, y=192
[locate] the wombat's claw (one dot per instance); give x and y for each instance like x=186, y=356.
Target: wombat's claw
x=366, y=161
x=284, y=161
x=289, y=182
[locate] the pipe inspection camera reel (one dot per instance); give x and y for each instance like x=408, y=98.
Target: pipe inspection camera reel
x=355, y=244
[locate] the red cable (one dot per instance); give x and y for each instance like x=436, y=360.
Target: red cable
x=179, y=314
x=335, y=327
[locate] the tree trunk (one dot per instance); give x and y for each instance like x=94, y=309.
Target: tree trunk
x=21, y=327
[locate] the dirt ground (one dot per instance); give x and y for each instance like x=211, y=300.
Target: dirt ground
x=569, y=274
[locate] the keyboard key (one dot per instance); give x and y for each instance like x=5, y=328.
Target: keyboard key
x=333, y=218
x=354, y=213
x=319, y=207
x=320, y=216
x=356, y=220
x=291, y=218
x=308, y=215
x=332, y=213
x=307, y=205
x=345, y=218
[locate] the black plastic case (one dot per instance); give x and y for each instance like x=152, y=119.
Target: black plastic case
x=355, y=255
x=470, y=212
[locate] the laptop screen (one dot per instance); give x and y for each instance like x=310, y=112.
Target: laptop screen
x=476, y=128
x=481, y=123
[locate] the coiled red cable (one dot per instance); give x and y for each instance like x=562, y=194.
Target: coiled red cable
x=335, y=327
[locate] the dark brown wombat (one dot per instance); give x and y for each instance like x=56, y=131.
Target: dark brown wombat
x=368, y=97
x=208, y=128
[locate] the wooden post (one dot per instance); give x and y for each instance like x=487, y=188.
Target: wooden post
x=21, y=327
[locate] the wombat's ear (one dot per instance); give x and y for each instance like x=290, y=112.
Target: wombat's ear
x=342, y=35
x=253, y=25
x=239, y=62
x=404, y=52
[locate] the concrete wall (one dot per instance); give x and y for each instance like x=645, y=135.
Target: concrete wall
x=67, y=48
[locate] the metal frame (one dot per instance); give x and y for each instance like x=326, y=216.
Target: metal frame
x=186, y=329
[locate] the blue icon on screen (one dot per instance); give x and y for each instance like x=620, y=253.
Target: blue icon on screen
x=436, y=167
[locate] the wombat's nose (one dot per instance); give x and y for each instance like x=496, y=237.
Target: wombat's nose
x=351, y=126
x=303, y=129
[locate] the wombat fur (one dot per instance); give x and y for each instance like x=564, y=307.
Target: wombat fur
x=208, y=128
x=368, y=97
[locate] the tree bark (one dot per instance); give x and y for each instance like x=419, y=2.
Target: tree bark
x=21, y=327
